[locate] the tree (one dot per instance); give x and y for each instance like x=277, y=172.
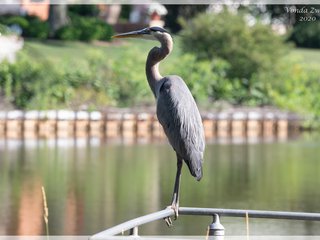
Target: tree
x=183, y=11
x=58, y=17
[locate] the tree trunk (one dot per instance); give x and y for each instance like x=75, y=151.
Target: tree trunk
x=57, y=17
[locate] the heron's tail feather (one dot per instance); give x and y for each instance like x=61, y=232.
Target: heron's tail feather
x=199, y=175
x=195, y=169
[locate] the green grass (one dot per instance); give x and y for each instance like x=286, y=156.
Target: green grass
x=58, y=50
x=310, y=58
x=64, y=50
x=309, y=55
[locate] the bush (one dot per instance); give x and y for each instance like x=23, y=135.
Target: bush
x=68, y=32
x=15, y=20
x=29, y=83
x=227, y=36
x=85, y=29
x=31, y=26
x=36, y=28
x=306, y=34
x=4, y=30
x=249, y=50
x=205, y=79
x=295, y=88
x=41, y=84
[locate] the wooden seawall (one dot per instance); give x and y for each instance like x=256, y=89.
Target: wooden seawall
x=64, y=124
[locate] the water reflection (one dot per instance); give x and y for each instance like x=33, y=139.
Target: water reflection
x=94, y=184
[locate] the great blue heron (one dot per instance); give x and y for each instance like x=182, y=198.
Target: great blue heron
x=176, y=108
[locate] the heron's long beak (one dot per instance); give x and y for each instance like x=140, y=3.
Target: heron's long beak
x=133, y=34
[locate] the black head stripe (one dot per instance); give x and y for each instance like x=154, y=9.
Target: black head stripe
x=145, y=31
x=158, y=29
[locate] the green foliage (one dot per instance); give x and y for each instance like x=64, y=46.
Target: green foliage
x=25, y=84
x=129, y=85
x=227, y=36
x=248, y=50
x=42, y=85
x=31, y=26
x=37, y=28
x=4, y=30
x=18, y=20
x=68, y=33
x=294, y=88
x=306, y=34
x=176, y=12
x=85, y=29
x=206, y=79
x=84, y=10
x=125, y=12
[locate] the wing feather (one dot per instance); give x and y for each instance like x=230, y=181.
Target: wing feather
x=180, y=118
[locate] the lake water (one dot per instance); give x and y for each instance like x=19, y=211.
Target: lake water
x=93, y=184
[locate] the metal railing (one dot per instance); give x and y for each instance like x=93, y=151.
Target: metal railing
x=215, y=228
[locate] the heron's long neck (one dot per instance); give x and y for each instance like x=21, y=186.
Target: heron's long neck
x=156, y=55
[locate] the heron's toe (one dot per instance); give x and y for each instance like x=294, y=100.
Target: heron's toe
x=168, y=221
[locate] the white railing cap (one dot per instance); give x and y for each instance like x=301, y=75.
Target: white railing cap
x=209, y=115
x=239, y=116
x=144, y=116
x=282, y=115
x=31, y=115
x=95, y=116
x=255, y=115
x=82, y=115
x=269, y=115
x=51, y=114
x=3, y=115
x=223, y=116
x=114, y=116
x=128, y=116
x=15, y=114
x=66, y=115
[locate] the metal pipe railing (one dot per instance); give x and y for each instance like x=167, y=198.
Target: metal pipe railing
x=134, y=223
x=251, y=213
x=168, y=212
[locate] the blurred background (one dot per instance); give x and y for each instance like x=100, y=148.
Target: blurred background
x=232, y=56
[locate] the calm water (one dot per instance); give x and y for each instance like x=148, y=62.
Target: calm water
x=92, y=185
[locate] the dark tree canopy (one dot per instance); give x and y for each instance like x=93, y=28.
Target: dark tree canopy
x=181, y=11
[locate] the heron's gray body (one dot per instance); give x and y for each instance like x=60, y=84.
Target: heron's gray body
x=178, y=114
x=176, y=109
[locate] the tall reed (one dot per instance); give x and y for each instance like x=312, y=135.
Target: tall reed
x=45, y=211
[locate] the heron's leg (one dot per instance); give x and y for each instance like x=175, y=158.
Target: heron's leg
x=176, y=189
x=175, y=195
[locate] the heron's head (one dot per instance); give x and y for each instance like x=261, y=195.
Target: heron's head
x=150, y=33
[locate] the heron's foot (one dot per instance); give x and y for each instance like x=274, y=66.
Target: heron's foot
x=175, y=207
